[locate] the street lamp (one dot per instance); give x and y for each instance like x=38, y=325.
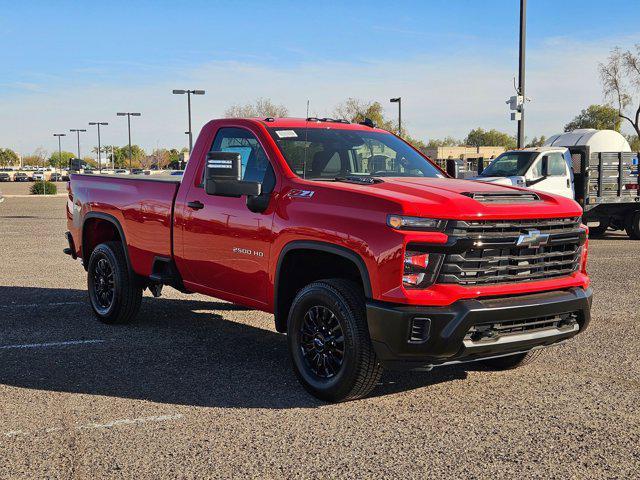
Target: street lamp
x=189, y=93
x=398, y=100
x=129, y=115
x=99, y=147
x=59, y=135
x=78, y=130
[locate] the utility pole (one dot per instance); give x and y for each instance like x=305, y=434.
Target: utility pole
x=77, y=131
x=99, y=146
x=521, y=69
x=129, y=115
x=398, y=100
x=59, y=135
x=189, y=93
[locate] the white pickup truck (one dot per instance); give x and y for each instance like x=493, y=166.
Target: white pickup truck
x=594, y=167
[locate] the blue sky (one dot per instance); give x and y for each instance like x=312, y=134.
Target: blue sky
x=67, y=63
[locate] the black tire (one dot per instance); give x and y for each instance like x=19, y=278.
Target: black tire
x=511, y=361
x=632, y=226
x=114, y=292
x=599, y=231
x=339, y=313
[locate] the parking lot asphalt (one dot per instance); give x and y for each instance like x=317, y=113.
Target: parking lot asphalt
x=199, y=388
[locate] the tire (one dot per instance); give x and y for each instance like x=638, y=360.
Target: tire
x=511, y=361
x=114, y=291
x=599, y=231
x=328, y=317
x=632, y=226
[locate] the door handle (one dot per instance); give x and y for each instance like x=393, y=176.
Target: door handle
x=568, y=183
x=196, y=205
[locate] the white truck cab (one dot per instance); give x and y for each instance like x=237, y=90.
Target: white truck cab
x=541, y=168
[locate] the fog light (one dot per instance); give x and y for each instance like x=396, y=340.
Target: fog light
x=420, y=268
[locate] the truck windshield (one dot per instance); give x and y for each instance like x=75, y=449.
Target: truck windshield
x=325, y=154
x=510, y=164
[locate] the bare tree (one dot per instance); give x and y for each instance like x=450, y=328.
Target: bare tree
x=620, y=78
x=262, y=107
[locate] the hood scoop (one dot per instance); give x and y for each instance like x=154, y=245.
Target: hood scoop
x=506, y=197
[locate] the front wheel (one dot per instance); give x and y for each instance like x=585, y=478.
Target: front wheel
x=329, y=341
x=114, y=291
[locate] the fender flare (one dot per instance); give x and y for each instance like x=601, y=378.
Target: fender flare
x=116, y=223
x=322, y=247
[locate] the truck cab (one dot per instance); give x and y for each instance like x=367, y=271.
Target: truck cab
x=541, y=168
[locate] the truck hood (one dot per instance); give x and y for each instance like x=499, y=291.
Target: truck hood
x=450, y=198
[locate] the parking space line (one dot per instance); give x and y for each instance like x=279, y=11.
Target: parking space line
x=99, y=426
x=53, y=304
x=51, y=344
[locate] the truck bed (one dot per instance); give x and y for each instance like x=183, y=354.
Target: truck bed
x=143, y=207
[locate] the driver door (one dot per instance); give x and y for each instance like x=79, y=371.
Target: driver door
x=558, y=179
x=226, y=246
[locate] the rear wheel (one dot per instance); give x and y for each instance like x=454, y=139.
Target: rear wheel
x=114, y=292
x=632, y=226
x=329, y=341
x=511, y=361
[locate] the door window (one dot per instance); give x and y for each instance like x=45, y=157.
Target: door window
x=557, y=164
x=255, y=164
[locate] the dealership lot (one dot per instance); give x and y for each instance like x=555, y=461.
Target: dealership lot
x=201, y=388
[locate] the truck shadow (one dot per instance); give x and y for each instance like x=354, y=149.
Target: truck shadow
x=186, y=352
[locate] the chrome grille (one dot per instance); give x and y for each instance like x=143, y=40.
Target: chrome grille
x=494, y=255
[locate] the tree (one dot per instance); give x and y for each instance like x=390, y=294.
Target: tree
x=356, y=111
x=8, y=157
x=121, y=155
x=620, y=78
x=36, y=159
x=601, y=117
x=479, y=137
x=634, y=142
x=57, y=161
x=537, y=142
x=262, y=108
x=447, y=141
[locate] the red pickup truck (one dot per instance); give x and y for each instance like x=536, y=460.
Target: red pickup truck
x=367, y=254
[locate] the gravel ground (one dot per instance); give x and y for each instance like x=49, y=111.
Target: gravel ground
x=200, y=388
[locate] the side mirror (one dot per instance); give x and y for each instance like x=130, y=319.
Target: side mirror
x=545, y=166
x=223, y=174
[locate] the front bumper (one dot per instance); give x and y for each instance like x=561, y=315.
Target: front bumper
x=407, y=337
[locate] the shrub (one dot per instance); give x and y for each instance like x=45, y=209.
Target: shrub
x=45, y=187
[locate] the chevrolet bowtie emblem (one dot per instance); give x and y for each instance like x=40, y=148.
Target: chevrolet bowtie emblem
x=532, y=239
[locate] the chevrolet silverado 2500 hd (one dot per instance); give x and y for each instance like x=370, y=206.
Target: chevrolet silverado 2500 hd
x=367, y=254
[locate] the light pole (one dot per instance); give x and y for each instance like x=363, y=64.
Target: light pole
x=523, y=41
x=99, y=147
x=78, y=130
x=59, y=135
x=398, y=100
x=129, y=115
x=189, y=93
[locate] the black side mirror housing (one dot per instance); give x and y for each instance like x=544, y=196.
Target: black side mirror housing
x=223, y=176
x=545, y=166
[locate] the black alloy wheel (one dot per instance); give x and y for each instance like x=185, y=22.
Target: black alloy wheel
x=103, y=284
x=322, y=341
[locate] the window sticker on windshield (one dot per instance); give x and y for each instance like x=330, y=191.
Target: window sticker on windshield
x=286, y=134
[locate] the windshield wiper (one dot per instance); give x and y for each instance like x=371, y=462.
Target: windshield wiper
x=358, y=179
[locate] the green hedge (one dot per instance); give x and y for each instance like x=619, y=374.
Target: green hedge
x=41, y=187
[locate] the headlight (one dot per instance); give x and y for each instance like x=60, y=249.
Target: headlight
x=400, y=222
